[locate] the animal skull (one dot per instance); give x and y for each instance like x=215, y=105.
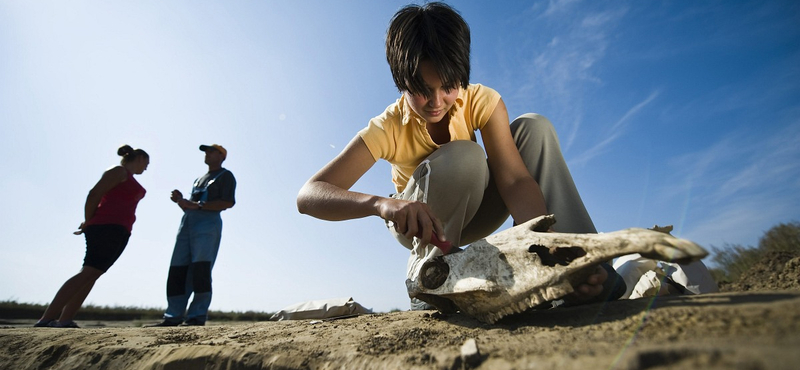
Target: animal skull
x=524, y=266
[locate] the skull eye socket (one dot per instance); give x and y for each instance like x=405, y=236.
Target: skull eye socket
x=562, y=256
x=434, y=273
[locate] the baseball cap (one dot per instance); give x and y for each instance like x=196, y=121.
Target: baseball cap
x=217, y=147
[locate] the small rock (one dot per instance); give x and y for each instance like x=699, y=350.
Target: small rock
x=470, y=354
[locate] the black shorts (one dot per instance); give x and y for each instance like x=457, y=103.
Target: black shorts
x=104, y=245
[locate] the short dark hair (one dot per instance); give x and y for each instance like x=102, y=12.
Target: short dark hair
x=434, y=32
x=129, y=154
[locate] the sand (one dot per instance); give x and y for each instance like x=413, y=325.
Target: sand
x=742, y=329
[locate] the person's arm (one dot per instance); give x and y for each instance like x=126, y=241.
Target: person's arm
x=228, y=190
x=327, y=196
x=214, y=205
x=111, y=178
x=177, y=197
x=520, y=192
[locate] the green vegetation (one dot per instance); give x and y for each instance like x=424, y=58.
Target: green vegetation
x=732, y=261
x=14, y=310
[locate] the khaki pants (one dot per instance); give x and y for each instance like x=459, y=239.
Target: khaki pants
x=457, y=185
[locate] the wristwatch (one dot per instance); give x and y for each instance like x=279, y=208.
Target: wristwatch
x=200, y=205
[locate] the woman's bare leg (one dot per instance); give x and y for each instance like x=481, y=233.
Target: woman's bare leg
x=71, y=295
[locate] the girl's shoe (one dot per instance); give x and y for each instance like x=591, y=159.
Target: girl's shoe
x=68, y=324
x=43, y=323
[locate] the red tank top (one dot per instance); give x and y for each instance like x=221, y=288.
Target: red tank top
x=118, y=206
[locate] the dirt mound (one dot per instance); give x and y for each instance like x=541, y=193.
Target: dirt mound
x=755, y=324
x=775, y=271
x=745, y=330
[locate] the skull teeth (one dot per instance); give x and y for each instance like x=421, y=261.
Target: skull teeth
x=521, y=306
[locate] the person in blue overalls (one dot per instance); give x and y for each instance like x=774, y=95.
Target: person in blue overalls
x=198, y=241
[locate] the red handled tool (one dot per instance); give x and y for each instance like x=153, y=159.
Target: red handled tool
x=444, y=246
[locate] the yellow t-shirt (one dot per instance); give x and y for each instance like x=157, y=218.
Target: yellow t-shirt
x=399, y=135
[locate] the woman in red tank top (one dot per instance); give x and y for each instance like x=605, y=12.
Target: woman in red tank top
x=109, y=215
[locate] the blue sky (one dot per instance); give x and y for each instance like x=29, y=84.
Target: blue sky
x=669, y=112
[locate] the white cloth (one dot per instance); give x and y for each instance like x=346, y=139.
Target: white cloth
x=321, y=309
x=649, y=285
x=643, y=276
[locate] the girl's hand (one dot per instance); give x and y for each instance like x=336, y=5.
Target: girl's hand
x=411, y=219
x=590, y=288
x=80, y=229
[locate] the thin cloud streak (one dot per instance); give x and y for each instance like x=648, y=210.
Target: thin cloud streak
x=774, y=160
x=737, y=222
x=616, y=130
x=631, y=112
x=739, y=186
x=556, y=7
x=737, y=164
x=560, y=69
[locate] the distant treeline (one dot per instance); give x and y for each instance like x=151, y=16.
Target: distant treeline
x=13, y=310
x=731, y=261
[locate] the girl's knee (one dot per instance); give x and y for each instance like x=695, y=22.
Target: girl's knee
x=460, y=158
x=463, y=148
x=531, y=128
x=460, y=164
x=534, y=123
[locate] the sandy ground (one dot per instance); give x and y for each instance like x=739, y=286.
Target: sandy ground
x=753, y=330
x=741, y=329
